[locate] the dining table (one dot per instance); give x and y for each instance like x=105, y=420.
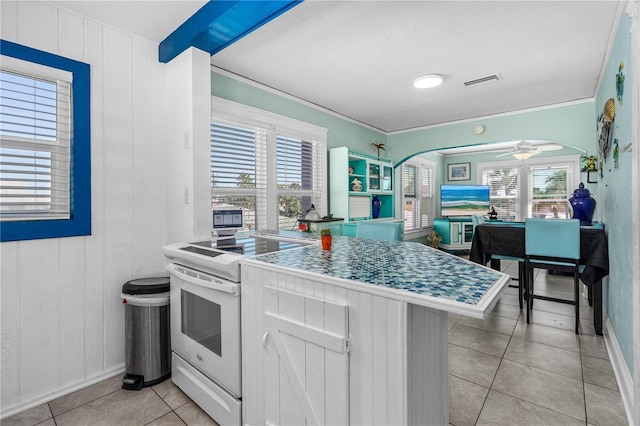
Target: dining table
x=508, y=239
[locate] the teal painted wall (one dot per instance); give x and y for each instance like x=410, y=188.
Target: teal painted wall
x=614, y=197
x=570, y=124
x=341, y=132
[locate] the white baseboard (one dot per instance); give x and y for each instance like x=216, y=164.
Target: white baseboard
x=23, y=406
x=622, y=373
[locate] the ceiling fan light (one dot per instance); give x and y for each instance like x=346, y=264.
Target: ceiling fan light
x=428, y=81
x=522, y=155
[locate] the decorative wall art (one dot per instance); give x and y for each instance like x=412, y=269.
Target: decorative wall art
x=605, y=120
x=590, y=166
x=620, y=83
x=459, y=171
x=590, y=163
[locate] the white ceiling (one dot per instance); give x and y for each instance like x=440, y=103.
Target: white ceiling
x=151, y=20
x=359, y=58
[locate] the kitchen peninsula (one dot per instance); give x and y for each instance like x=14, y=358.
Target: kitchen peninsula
x=356, y=334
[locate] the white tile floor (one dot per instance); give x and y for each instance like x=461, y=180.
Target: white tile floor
x=502, y=371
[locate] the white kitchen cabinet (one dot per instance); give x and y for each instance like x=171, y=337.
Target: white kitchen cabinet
x=456, y=233
x=305, y=354
x=394, y=371
x=336, y=337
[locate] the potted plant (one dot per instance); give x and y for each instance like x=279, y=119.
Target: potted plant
x=434, y=239
x=325, y=238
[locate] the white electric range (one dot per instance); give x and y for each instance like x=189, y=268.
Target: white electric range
x=205, y=316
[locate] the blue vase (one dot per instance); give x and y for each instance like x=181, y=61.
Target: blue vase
x=375, y=207
x=583, y=205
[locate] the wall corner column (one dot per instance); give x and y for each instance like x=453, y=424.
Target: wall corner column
x=188, y=121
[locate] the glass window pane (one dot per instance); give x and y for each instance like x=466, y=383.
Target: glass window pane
x=290, y=208
x=550, y=191
x=504, y=191
x=294, y=163
x=409, y=210
x=409, y=179
x=233, y=156
x=35, y=157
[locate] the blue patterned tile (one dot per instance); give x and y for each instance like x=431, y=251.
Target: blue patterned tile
x=405, y=266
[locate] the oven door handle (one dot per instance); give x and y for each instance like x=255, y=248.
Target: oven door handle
x=211, y=282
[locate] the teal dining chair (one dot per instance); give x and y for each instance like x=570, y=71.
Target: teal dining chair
x=390, y=231
x=478, y=219
x=553, y=244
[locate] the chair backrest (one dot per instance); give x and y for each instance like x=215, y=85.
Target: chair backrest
x=477, y=219
x=391, y=231
x=552, y=238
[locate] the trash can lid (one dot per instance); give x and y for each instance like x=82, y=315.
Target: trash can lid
x=146, y=286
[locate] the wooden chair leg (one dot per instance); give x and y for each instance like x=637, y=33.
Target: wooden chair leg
x=576, y=298
x=521, y=282
x=527, y=283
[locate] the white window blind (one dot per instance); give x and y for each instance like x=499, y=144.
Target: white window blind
x=504, y=190
x=417, y=185
x=426, y=197
x=241, y=158
x=298, y=176
x=411, y=205
x=409, y=180
x=549, y=191
x=238, y=175
x=35, y=135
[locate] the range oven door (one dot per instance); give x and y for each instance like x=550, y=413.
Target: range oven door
x=205, y=324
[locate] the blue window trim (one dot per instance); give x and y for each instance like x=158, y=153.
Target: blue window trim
x=80, y=202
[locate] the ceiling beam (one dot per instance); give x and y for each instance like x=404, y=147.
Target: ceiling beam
x=220, y=23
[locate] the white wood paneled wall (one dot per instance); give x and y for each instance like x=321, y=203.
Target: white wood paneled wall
x=62, y=317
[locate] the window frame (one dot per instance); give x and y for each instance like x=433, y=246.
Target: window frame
x=524, y=179
x=230, y=112
x=79, y=222
x=419, y=164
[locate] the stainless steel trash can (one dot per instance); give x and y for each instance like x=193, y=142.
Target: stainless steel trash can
x=147, y=332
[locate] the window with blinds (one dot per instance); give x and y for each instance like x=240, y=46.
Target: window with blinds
x=531, y=188
x=45, y=145
x=504, y=190
x=238, y=176
x=241, y=156
x=419, y=206
x=549, y=191
x=35, y=119
x=298, y=168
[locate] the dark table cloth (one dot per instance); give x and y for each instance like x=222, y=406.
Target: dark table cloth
x=508, y=240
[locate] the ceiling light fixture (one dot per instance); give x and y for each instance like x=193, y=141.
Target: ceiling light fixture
x=522, y=155
x=428, y=81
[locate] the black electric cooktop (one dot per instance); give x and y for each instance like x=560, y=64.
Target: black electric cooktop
x=245, y=246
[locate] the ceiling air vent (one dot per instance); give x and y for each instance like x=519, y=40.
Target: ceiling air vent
x=482, y=80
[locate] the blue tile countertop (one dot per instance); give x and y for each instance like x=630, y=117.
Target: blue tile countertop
x=405, y=271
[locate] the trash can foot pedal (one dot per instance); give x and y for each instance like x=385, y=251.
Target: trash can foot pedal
x=132, y=382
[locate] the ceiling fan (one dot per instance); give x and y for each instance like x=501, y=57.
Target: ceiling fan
x=523, y=150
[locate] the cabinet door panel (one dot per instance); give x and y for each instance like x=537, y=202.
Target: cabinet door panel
x=307, y=344
x=456, y=230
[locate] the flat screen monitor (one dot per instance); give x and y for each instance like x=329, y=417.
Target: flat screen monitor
x=227, y=220
x=464, y=200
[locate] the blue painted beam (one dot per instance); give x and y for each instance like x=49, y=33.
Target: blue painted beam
x=220, y=23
